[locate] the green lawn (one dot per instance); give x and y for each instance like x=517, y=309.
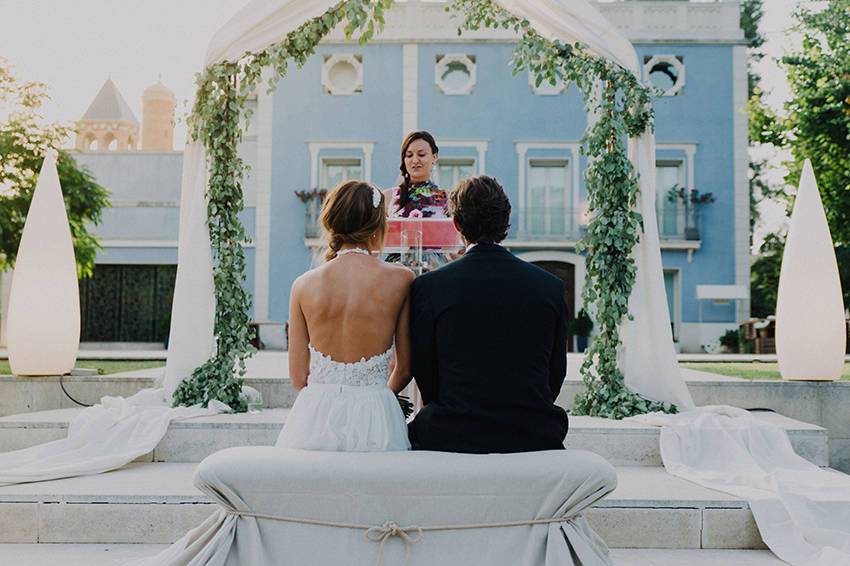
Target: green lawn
x=103, y=367
x=747, y=370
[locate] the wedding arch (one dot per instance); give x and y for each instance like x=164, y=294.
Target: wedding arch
x=631, y=366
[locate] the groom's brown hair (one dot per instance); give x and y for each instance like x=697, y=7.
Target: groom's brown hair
x=481, y=210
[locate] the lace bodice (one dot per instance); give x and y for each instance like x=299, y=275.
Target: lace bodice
x=371, y=371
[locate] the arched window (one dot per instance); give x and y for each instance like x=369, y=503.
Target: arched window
x=110, y=142
x=90, y=142
x=131, y=144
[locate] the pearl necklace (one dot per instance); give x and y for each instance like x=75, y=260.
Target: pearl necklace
x=353, y=251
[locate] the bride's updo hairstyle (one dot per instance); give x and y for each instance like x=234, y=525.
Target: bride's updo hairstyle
x=350, y=215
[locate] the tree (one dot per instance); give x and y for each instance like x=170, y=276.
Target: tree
x=764, y=281
x=24, y=140
x=815, y=122
x=760, y=190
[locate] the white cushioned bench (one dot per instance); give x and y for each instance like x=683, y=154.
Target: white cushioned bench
x=299, y=508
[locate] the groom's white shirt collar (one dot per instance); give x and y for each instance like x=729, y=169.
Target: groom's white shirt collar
x=473, y=244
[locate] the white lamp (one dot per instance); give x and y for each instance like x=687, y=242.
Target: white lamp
x=810, y=328
x=43, y=328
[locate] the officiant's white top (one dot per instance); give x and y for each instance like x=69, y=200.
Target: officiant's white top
x=346, y=407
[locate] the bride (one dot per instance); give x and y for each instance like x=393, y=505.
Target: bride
x=344, y=318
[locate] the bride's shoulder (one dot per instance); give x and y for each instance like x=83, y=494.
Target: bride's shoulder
x=403, y=275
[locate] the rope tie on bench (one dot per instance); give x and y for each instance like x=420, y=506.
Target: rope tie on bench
x=409, y=535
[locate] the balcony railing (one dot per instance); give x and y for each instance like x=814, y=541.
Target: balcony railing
x=560, y=224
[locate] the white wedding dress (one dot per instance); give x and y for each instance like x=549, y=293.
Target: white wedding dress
x=346, y=407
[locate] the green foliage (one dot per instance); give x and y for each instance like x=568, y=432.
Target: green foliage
x=24, y=141
x=623, y=110
x=815, y=121
x=582, y=324
x=216, y=121
x=764, y=274
x=751, y=15
x=731, y=339
x=614, y=229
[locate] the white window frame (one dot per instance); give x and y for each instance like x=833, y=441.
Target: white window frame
x=443, y=61
x=570, y=154
x=680, y=180
x=676, y=63
x=454, y=160
x=565, y=163
x=480, y=147
x=331, y=160
x=355, y=61
x=364, y=148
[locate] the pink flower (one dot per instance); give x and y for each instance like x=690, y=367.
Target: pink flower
x=415, y=214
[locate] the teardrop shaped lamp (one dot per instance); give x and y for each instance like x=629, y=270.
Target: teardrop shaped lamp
x=811, y=333
x=43, y=324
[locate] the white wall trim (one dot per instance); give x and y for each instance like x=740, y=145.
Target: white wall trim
x=522, y=148
x=144, y=204
x=262, y=211
x=367, y=147
x=479, y=145
x=644, y=21
x=441, y=66
x=148, y=244
x=673, y=61
x=356, y=62
x=564, y=257
x=741, y=158
x=409, y=89
x=690, y=150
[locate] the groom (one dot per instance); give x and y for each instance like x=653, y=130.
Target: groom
x=489, y=340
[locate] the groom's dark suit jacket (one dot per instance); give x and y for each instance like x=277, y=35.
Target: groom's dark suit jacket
x=489, y=355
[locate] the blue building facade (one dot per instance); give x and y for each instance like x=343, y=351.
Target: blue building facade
x=344, y=115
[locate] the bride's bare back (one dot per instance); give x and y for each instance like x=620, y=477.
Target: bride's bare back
x=353, y=307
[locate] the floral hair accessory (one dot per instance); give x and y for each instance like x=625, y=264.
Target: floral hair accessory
x=376, y=197
x=415, y=213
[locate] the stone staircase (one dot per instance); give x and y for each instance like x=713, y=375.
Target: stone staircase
x=652, y=517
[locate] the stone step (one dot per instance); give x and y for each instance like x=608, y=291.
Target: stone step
x=28, y=394
x=117, y=554
x=157, y=503
x=623, y=443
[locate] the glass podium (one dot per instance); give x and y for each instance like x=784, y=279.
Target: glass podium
x=422, y=244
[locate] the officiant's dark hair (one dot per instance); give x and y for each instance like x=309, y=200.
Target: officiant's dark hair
x=350, y=216
x=481, y=210
x=404, y=187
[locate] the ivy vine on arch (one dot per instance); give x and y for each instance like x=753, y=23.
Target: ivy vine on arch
x=624, y=110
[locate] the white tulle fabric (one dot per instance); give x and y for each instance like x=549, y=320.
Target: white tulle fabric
x=802, y=511
x=346, y=407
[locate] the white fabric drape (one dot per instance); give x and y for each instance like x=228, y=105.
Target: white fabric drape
x=802, y=511
x=101, y=438
x=647, y=359
x=424, y=489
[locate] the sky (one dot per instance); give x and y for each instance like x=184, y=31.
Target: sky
x=74, y=46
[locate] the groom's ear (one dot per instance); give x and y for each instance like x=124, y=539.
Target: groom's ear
x=456, y=225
